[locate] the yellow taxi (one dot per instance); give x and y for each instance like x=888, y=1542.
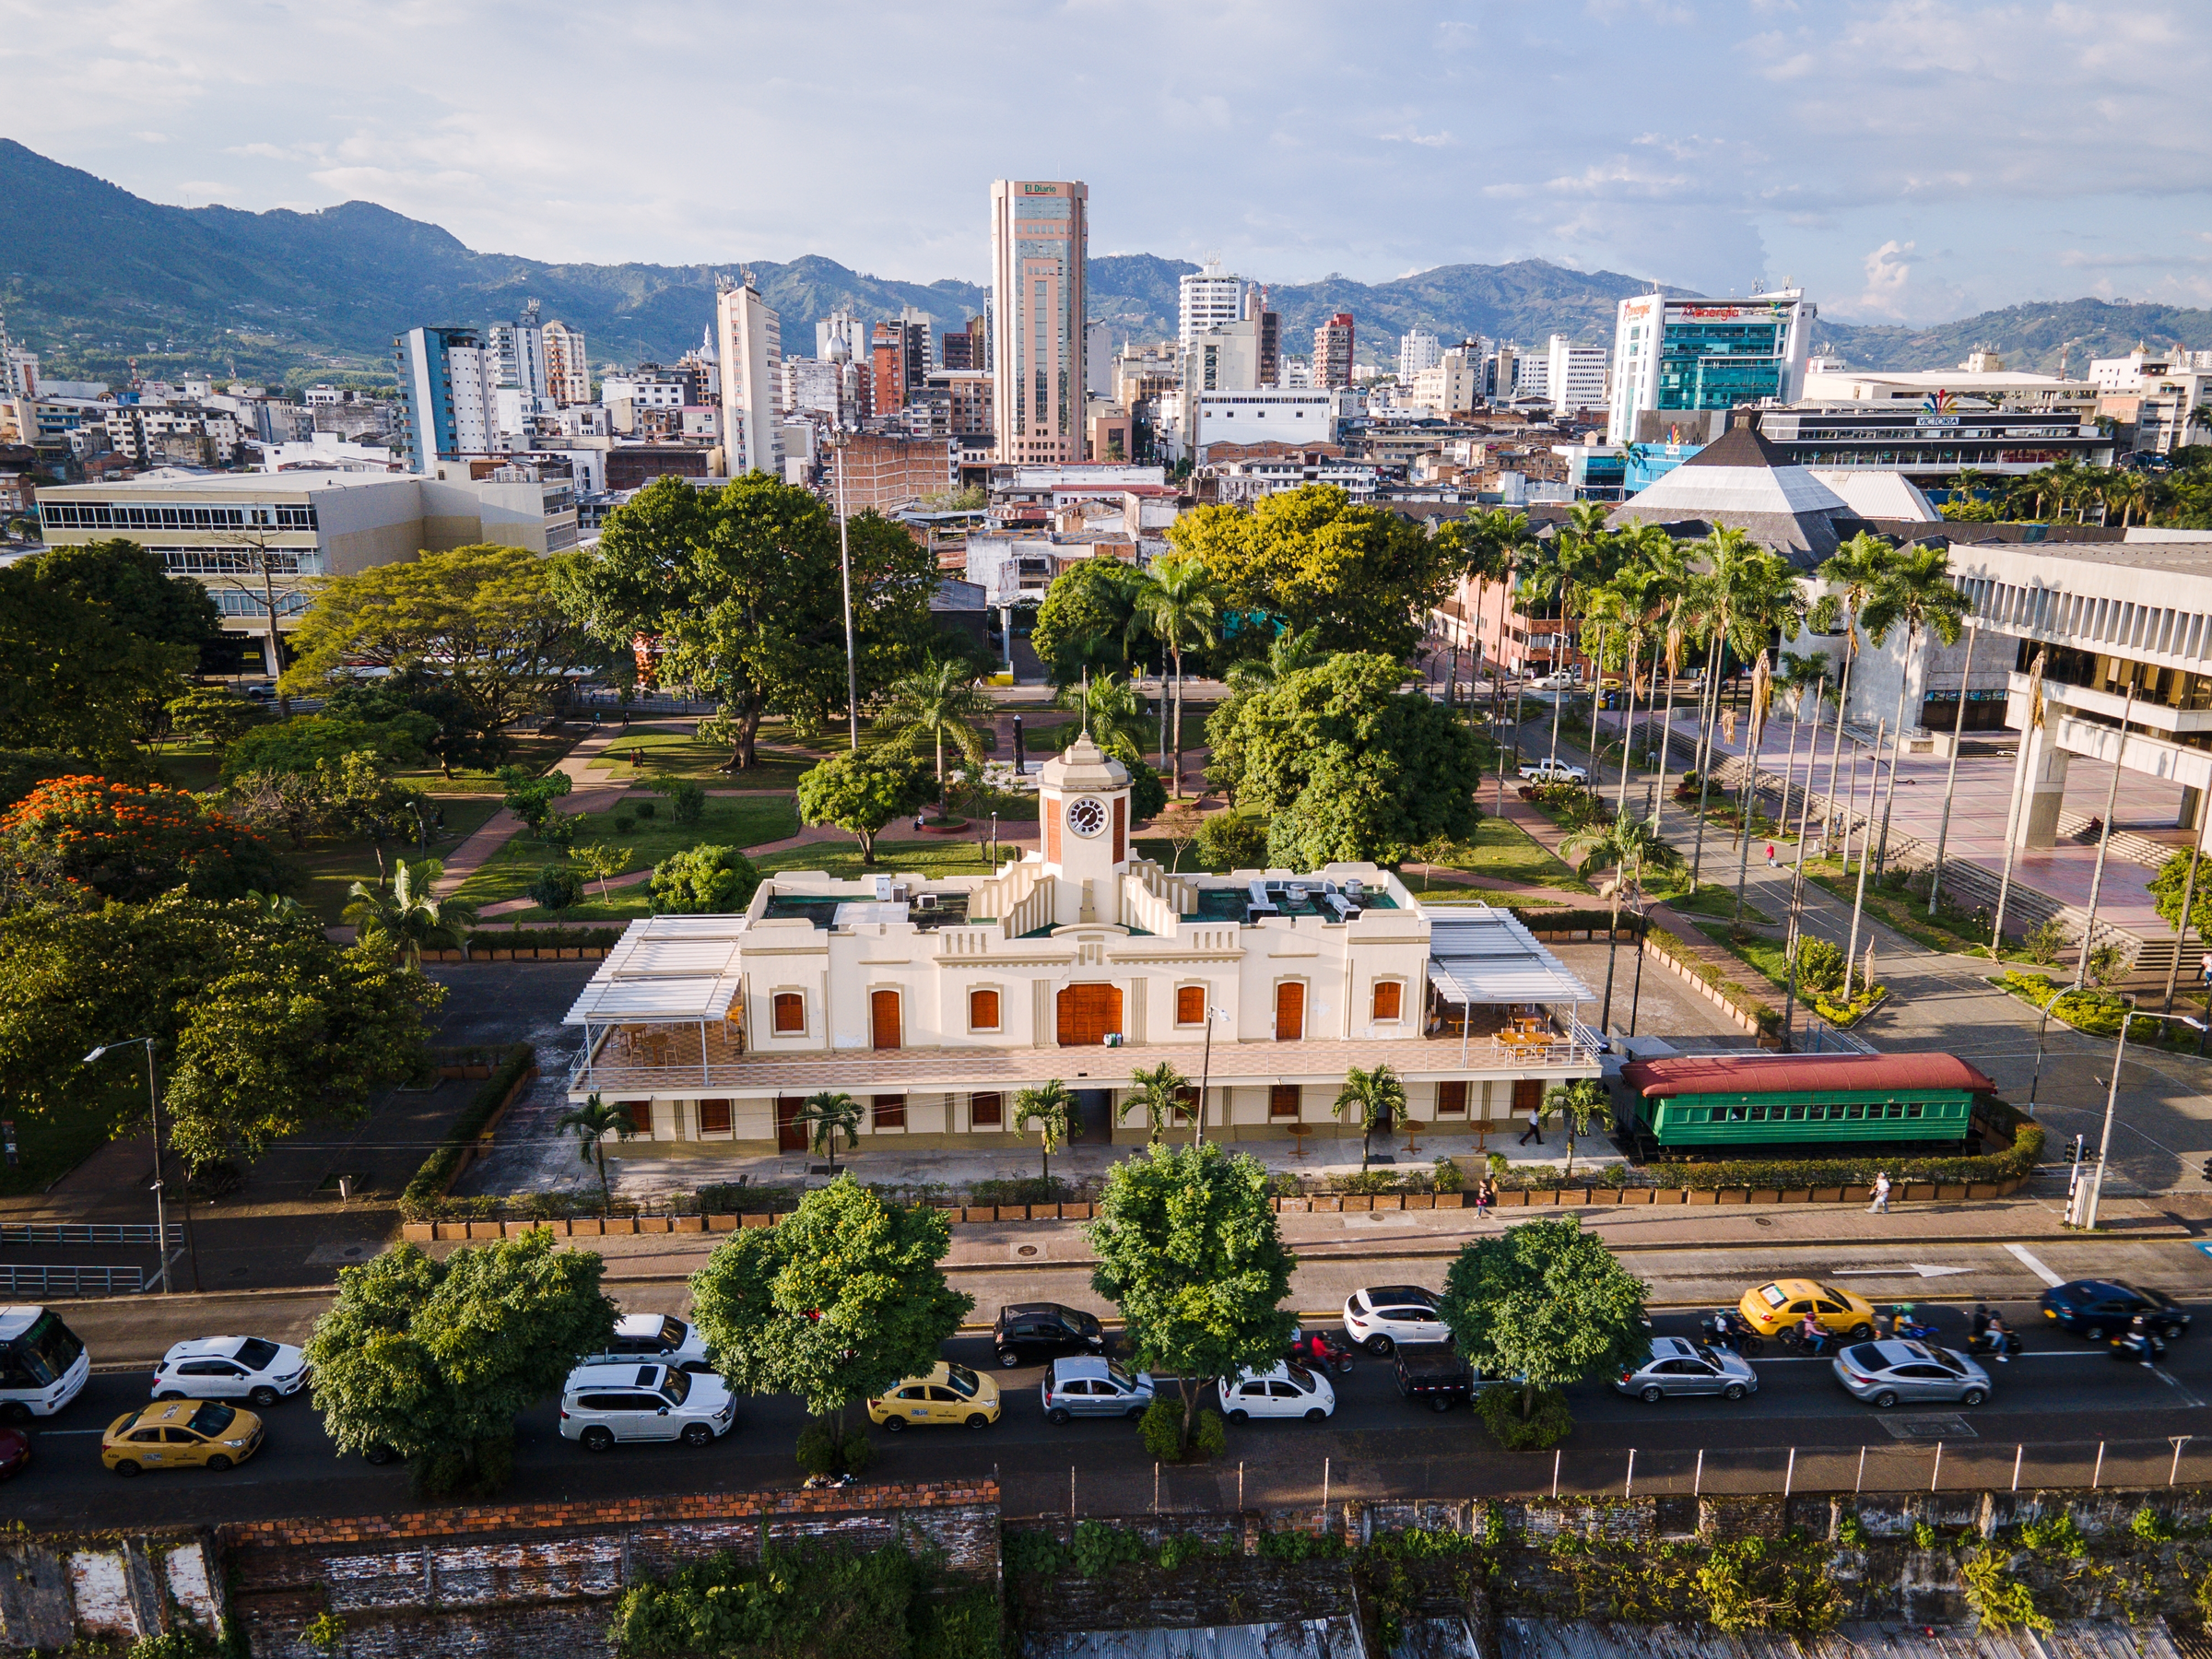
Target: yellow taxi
x=951, y=1394
x=180, y=1434
x=1770, y=1307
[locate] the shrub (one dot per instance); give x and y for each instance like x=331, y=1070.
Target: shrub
x=100, y=839
x=1230, y=840
x=2056, y=1535
x=1999, y=1600
x=1162, y=1427
x=1179, y=1547
x=1923, y=1536
x=447, y=1474
x=857, y=1452
x=1301, y=1547
x=1210, y=1438
x=624, y=823
x=425, y=1193
x=2046, y=941
x=2148, y=1525
x=1450, y=1177
x=1099, y=1549
x=686, y=800
x=325, y=1632
x=1548, y=1422
x=701, y=882
x=1851, y=1532
x=1819, y=964
x=645, y=809
x=557, y=887
x=818, y=1450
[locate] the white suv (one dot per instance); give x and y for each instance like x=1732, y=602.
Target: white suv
x=1381, y=1318
x=607, y=1402
x=1284, y=1390
x=663, y=1336
x=231, y=1368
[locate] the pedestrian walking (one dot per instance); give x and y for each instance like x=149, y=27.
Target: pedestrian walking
x=1769, y=856
x=1880, y=1206
x=1536, y=1126
x=1486, y=1194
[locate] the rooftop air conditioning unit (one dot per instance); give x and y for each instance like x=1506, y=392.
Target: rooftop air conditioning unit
x=883, y=889
x=927, y=901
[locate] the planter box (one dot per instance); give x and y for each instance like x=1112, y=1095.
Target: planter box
x=622, y=1224
x=1449, y=1200
x=983, y=1213
x=1854, y=1194
x=1952, y=1192
x=1982, y=1189
x=1765, y=1196
x=1389, y=1201
x=1292, y=1206
x=1825, y=1194
x=1732, y=1196
x=486, y=1229
x=418, y=1232
x=757, y=1220
x=1329, y=1203
x=687, y=1224
x=1602, y=1195
x=1418, y=1201
x=584, y=1226
x=1013, y=1212
x=1359, y=1201
x=1914, y=1189
x=655, y=1224
x=1700, y=1195
x=1075, y=1212
x=720, y=1223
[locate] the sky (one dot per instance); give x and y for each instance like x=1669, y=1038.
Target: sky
x=1903, y=160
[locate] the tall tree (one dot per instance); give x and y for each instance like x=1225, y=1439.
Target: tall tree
x=1362, y=578
x=838, y=1302
x=1377, y=1098
x=1544, y=1302
x=1627, y=847
x=73, y=677
x=1189, y=1249
x=81, y=837
x=1853, y=572
x=410, y=916
x=591, y=1123
x=860, y=791
x=1343, y=765
x=940, y=699
x=433, y=1360
x=482, y=622
x=1089, y=621
x=741, y=591
x=134, y=590
x=1180, y=606
x=1047, y=1106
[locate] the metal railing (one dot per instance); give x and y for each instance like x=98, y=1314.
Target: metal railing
x=44, y=1282
x=87, y=1232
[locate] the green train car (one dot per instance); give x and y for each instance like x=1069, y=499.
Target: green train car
x=1744, y=1104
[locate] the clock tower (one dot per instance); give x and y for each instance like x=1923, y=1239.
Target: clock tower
x=1083, y=812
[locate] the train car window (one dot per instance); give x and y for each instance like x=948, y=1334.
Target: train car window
x=1914, y=1110
x=1856, y=1111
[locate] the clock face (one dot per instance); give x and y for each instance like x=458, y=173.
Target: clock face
x=1088, y=816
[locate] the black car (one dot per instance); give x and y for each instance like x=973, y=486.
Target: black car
x=1433, y=1373
x=2096, y=1309
x=1031, y=1331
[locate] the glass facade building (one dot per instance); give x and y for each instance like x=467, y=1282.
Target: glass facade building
x=1707, y=354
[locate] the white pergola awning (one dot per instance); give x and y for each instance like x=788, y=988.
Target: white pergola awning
x=1481, y=955
x=664, y=969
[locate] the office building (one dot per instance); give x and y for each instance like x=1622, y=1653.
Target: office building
x=1332, y=351
x=1418, y=349
x=568, y=373
x=1928, y=447
x=1981, y=381
x=1270, y=328
x=1039, y=243
x=935, y=1001
x=2158, y=397
x=1098, y=360
x=248, y=537
x=1574, y=375
x=902, y=357
x=444, y=382
x=1298, y=417
x=812, y=387
x=1210, y=296
x=963, y=348
x=748, y=345
x=518, y=354
x=1707, y=354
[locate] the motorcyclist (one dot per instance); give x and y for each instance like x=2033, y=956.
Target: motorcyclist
x=2002, y=1342
x=1811, y=1335
x=2137, y=1340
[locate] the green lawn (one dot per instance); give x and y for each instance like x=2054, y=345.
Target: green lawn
x=1710, y=900
x=188, y=764
x=330, y=866
x=50, y=1146
x=729, y=821
x=1505, y=852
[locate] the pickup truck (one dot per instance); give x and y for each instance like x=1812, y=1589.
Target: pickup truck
x=1433, y=1373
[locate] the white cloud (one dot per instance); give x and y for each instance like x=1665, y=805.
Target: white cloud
x=1888, y=269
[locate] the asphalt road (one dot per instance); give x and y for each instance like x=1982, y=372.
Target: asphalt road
x=2058, y=1404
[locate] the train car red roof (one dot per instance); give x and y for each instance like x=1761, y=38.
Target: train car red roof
x=1799, y=1074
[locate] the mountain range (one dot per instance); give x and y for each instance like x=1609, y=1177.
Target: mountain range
x=92, y=277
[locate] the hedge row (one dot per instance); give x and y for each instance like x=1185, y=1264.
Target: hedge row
x=544, y=938
x=1785, y=1174
x=1739, y=996
x=1545, y=919
x=423, y=1194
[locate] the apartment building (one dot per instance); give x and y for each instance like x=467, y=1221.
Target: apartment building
x=1332, y=351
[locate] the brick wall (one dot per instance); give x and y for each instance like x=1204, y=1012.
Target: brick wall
x=534, y=1581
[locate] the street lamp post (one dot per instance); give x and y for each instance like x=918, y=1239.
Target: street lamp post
x=153, y=1100
x=2083, y=1210
x=1206, y=1069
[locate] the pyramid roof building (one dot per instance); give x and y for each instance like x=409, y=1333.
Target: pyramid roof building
x=1742, y=480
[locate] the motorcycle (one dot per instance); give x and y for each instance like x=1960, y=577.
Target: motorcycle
x=1903, y=1324
x=2144, y=1347
x=2003, y=1343
x=1794, y=1339
x=1725, y=1328
x=1319, y=1350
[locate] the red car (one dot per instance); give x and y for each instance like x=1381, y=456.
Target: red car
x=14, y=1452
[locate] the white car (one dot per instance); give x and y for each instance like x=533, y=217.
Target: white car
x=1380, y=1318
x=231, y=1368
x=608, y=1402
x=1284, y=1390
x=1562, y=681
x=663, y=1336
x=1552, y=769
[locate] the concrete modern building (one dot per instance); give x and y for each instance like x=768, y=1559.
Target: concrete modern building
x=444, y=384
x=568, y=371
x=1209, y=298
x=749, y=346
x=1332, y=351
x=259, y=539
x=1297, y=416
x=1930, y=446
x=1418, y=349
x=1574, y=376
x=903, y=355
x=1707, y=354
x=1981, y=381
x=1040, y=245
x=934, y=1002
x=2158, y=396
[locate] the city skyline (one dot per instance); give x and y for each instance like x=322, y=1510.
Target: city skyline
x=1902, y=161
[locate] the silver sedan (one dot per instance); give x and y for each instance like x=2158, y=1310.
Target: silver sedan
x=1678, y=1366
x=1893, y=1372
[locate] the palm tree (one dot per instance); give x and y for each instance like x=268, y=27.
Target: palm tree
x=1579, y=1103
x=1114, y=712
x=1181, y=605
x=1517, y=547
x=591, y=1123
x=1673, y=588
x=1287, y=653
x=1852, y=572
x=1048, y=1106
x=833, y=1116
x=1748, y=596
x=1624, y=606
x=410, y=916
x=940, y=698
x=2126, y=491
x=1627, y=847
x=1160, y=1092
x=1378, y=1096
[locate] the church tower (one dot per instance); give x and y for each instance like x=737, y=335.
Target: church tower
x=1083, y=812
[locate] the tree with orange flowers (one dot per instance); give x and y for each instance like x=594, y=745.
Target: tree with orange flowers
x=95, y=839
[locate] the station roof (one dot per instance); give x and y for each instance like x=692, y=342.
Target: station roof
x=666, y=968
x=1477, y=954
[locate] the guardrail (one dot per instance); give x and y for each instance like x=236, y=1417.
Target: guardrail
x=44, y=1282
x=87, y=1232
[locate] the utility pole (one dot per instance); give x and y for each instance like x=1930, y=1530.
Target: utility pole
x=844, y=560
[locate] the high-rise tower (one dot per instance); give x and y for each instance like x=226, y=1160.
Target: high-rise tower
x=1040, y=239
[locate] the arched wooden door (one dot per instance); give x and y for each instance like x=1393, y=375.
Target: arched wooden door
x=1291, y=1011
x=790, y=1134
x=883, y=1031
x=1087, y=1013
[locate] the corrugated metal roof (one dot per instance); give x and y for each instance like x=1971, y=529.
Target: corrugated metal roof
x=1793, y=1073
x=666, y=968
x=1480, y=955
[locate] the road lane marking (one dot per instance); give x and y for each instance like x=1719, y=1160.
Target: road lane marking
x=2033, y=1263
x=1910, y=1270
x=2175, y=1383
